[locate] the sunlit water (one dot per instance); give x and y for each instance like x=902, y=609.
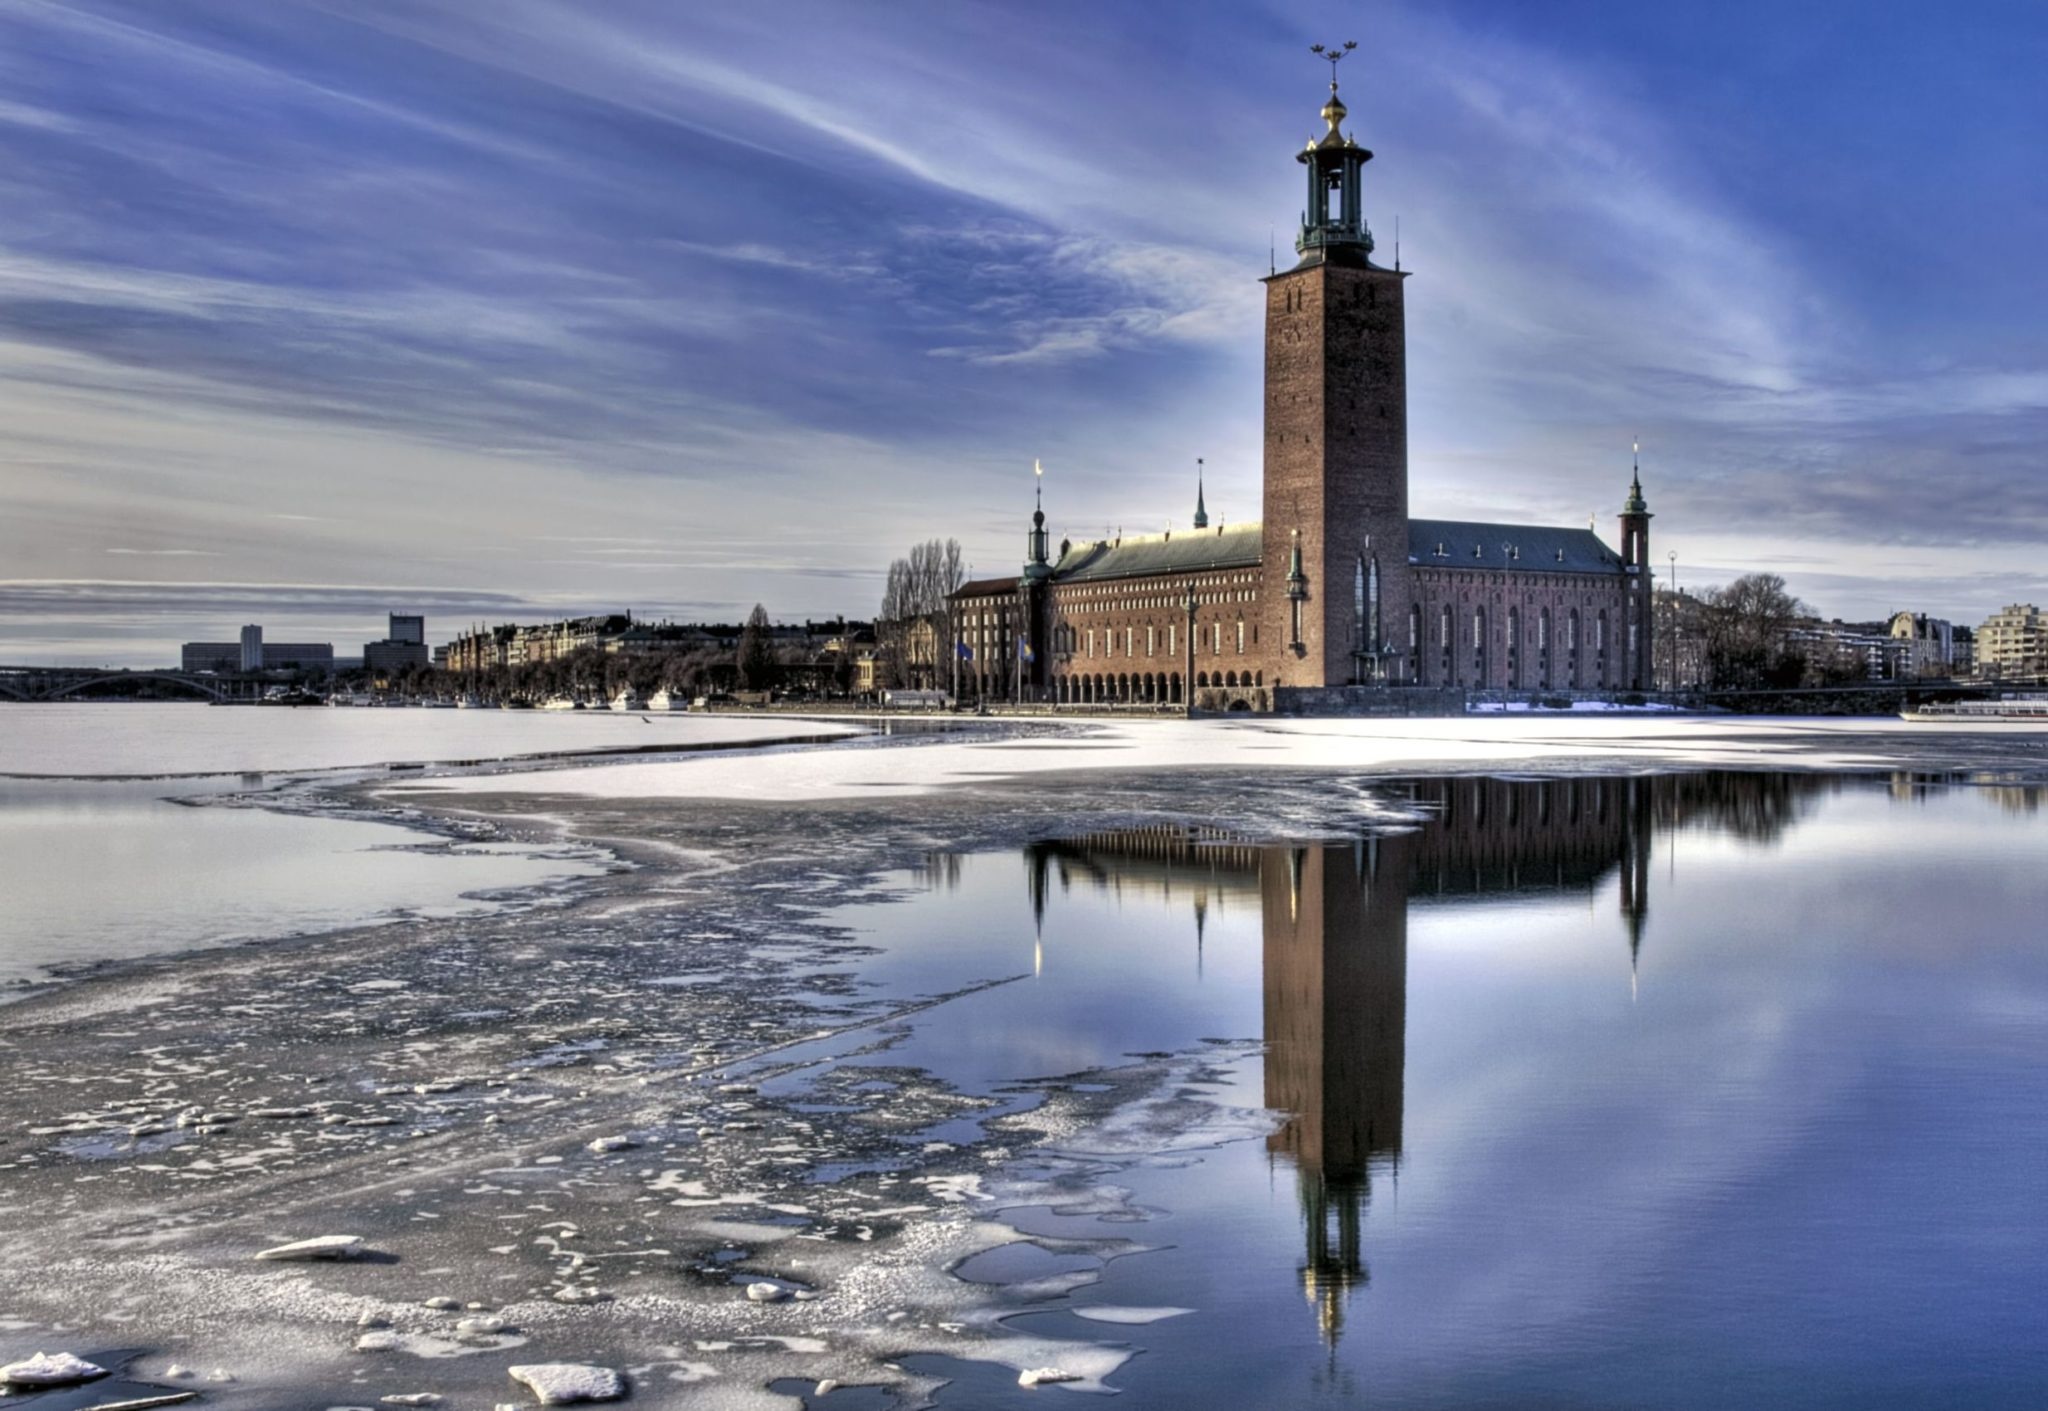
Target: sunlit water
x=117, y=871
x=104, y=855
x=1699, y=1092
x=127, y=739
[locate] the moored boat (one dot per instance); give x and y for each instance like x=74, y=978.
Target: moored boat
x=2011, y=708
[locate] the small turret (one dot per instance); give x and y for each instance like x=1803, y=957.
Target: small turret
x=1036, y=564
x=1201, y=508
x=1635, y=515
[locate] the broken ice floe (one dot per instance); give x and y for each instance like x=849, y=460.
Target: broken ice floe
x=319, y=1247
x=1110, y=1313
x=562, y=1383
x=50, y=1369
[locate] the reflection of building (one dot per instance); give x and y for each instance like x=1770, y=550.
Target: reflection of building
x=1334, y=926
x=1336, y=970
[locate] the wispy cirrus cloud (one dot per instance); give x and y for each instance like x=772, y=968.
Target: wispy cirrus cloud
x=374, y=292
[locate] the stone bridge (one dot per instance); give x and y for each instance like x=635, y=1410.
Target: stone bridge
x=56, y=683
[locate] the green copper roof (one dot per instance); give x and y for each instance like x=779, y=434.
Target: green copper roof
x=1201, y=551
x=1519, y=548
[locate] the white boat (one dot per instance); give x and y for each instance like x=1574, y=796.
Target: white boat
x=665, y=699
x=2020, y=708
x=467, y=703
x=561, y=703
x=625, y=700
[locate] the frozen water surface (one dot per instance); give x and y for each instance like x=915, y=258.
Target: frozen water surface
x=1684, y=1090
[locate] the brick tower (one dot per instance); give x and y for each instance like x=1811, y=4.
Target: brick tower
x=1638, y=667
x=1336, y=474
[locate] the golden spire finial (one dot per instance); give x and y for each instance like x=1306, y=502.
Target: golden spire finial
x=1333, y=111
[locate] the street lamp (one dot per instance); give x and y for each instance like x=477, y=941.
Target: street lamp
x=1187, y=680
x=1671, y=597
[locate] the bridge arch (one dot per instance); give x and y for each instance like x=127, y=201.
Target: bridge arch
x=60, y=691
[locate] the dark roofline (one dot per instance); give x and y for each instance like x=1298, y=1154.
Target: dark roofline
x=985, y=587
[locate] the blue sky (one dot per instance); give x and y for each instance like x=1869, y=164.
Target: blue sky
x=505, y=310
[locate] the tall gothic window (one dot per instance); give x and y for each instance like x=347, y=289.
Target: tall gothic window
x=1375, y=632
x=1359, y=642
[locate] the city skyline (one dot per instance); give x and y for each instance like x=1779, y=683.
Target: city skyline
x=307, y=310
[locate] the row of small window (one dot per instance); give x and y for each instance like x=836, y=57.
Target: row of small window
x=1069, y=640
x=1234, y=595
x=1514, y=630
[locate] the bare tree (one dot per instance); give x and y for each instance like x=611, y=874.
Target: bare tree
x=919, y=589
x=1745, y=625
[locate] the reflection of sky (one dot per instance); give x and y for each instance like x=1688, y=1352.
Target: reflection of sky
x=1798, y=1167
x=1809, y=1138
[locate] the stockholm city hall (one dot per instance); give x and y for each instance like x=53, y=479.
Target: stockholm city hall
x=1336, y=594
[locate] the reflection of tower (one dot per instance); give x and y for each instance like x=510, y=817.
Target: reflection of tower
x=1635, y=868
x=1336, y=981
x=1334, y=926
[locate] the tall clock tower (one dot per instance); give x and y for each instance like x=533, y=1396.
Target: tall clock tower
x=1336, y=472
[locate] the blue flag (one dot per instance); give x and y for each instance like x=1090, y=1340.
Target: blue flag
x=966, y=652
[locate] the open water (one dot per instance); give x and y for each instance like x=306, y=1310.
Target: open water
x=1705, y=1091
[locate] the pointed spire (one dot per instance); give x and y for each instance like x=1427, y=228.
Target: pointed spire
x=1635, y=504
x=1036, y=565
x=1201, y=506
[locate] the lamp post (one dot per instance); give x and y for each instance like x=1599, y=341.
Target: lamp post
x=1187, y=682
x=1671, y=596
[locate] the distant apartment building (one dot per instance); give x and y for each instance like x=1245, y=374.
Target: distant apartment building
x=481, y=649
x=403, y=648
x=1922, y=647
x=509, y=644
x=218, y=657
x=1966, y=651
x=252, y=654
x=1841, y=652
x=2013, y=642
